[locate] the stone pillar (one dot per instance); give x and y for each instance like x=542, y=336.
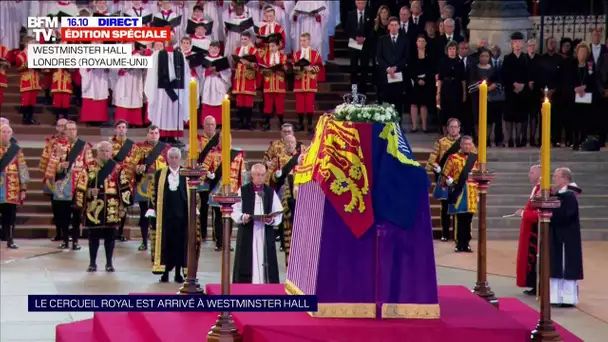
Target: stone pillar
x=496, y=20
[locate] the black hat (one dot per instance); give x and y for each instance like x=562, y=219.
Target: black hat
x=517, y=36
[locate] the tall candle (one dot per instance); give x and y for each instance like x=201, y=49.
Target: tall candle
x=483, y=122
x=545, y=181
x=226, y=141
x=193, y=137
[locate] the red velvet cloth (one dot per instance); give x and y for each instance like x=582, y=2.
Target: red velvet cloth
x=529, y=218
x=464, y=318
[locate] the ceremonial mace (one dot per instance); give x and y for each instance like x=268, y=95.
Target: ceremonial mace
x=193, y=173
x=545, y=330
x=224, y=329
x=483, y=177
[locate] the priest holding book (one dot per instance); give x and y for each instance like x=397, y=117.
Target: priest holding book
x=257, y=214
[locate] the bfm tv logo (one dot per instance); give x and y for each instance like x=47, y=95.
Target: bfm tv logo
x=43, y=28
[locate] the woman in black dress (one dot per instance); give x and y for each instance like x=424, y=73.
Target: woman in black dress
x=484, y=71
x=422, y=75
x=451, y=85
x=584, y=93
x=516, y=78
x=380, y=29
x=562, y=99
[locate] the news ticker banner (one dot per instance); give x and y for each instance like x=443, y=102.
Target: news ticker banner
x=112, y=40
x=170, y=303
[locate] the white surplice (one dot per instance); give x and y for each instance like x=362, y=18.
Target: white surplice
x=177, y=32
x=215, y=88
x=305, y=23
x=95, y=84
x=211, y=11
x=137, y=12
x=11, y=19
x=129, y=89
x=198, y=73
x=254, y=10
x=259, y=232
x=233, y=39
x=162, y=112
x=282, y=17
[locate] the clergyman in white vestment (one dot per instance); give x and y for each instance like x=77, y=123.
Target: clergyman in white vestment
x=263, y=246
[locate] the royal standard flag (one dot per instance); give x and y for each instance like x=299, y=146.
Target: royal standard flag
x=395, y=167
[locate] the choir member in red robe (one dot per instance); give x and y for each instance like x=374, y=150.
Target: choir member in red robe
x=274, y=82
x=527, y=249
x=245, y=80
x=61, y=88
x=29, y=85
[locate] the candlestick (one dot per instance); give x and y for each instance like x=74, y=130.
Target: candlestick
x=545, y=181
x=226, y=141
x=483, y=122
x=192, y=153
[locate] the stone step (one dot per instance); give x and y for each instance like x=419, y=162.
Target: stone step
x=587, y=223
x=513, y=234
x=532, y=155
x=497, y=211
x=520, y=200
x=573, y=164
x=35, y=229
x=43, y=207
x=504, y=188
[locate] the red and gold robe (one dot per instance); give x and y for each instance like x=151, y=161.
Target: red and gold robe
x=274, y=82
x=4, y=64
x=13, y=178
x=467, y=200
x=306, y=81
x=245, y=77
x=268, y=29
x=145, y=182
x=127, y=165
x=63, y=189
x=527, y=247
x=29, y=78
x=62, y=82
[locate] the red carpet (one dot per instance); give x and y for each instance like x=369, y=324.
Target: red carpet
x=464, y=317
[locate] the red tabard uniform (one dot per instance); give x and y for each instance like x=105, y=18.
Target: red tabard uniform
x=244, y=84
x=305, y=85
x=29, y=83
x=528, y=244
x=61, y=88
x=3, y=83
x=274, y=85
x=268, y=29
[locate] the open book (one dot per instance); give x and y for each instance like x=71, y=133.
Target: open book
x=239, y=26
x=263, y=217
x=160, y=22
x=311, y=13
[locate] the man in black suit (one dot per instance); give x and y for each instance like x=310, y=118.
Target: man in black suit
x=359, y=27
x=467, y=119
x=597, y=49
x=392, y=56
x=406, y=27
x=418, y=18
x=448, y=36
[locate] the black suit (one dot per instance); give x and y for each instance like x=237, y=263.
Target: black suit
x=601, y=68
x=468, y=119
x=359, y=59
x=409, y=30
x=600, y=60
x=420, y=24
x=388, y=55
x=442, y=41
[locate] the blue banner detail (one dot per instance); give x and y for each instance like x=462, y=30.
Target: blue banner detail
x=170, y=303
x=399, y=180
